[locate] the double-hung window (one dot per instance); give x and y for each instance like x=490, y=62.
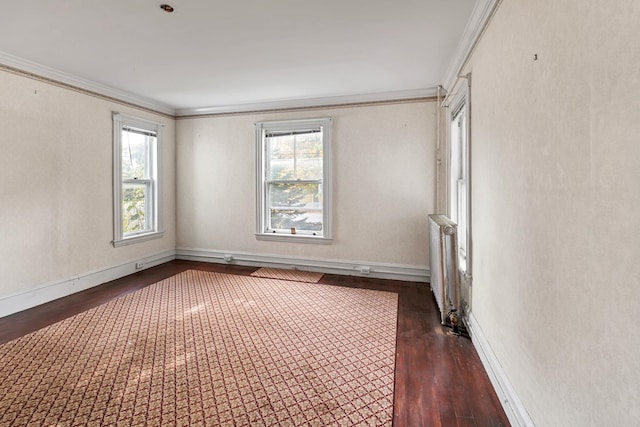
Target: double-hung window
x=136, y=160
x=459, y=195
x=293, y=188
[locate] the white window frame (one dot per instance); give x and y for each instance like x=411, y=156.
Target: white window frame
x=262, y=199
x=459, y=176
x=153, y=182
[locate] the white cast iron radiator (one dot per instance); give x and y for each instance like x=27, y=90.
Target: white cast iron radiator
x=444, y=265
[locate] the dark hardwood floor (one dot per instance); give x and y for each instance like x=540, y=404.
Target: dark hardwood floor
x=440, y=380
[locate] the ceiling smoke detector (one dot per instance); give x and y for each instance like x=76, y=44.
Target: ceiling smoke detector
x=167, y=8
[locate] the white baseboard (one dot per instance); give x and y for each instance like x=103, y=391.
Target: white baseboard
x=350, y=268
x=47, y=292
x=513, y=407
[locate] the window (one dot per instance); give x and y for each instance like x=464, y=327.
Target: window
x=294, y=180
x=136, y=162
x=459, y=194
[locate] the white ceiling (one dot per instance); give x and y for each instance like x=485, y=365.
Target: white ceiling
x=217, y=53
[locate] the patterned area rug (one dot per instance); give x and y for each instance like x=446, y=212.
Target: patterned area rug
x=295, y=275
x=210, y=349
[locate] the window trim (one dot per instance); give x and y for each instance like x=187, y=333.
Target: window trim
x=121, y=121
x=461, y=105
x=261, y=183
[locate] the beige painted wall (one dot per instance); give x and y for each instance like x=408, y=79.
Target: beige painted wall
x=556, y=206
x=56, y=214
x=383, y=159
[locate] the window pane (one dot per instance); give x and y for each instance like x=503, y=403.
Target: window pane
x=295, y=195
x=134, y=204
x=309, y=156
x=296, y=156
x=280, y=157
x=295, y=205
x=135, y=148
x=301, y=219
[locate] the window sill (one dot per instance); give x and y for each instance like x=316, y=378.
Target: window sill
x=297, y=238
x=137, y=239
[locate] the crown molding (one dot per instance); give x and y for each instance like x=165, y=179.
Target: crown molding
x=319, y=102
x=480, y=16
x=42, y=72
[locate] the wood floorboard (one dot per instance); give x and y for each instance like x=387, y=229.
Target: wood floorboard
x=439, y=381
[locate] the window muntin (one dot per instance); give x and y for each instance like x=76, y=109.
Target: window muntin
x=136, y=183
x=292, y=178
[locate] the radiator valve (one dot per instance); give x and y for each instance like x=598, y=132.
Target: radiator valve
x=454, y=319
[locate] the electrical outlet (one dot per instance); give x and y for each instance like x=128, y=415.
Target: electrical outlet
x=365, y=270
x=139, y=265
x=228, y=258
